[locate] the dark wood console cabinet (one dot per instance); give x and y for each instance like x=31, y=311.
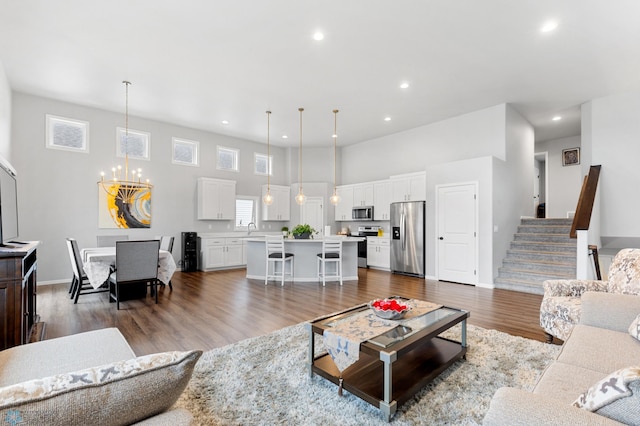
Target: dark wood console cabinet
x=18, y=315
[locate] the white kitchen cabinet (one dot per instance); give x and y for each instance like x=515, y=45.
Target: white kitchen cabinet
x=409, y=187
x=379, y=252
x=280, y=209
x=221, y=253
x=363, y=194
x=343, y=209
x=381, y=200
x=216, y=199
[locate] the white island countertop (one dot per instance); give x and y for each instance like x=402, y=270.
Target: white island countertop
x=305, y=253
x=259, y=238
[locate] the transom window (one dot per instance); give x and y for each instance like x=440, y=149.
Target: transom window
x=227, y=159
x=136, y=145
x=67, y=134
x=262, y=164
x=185, y=152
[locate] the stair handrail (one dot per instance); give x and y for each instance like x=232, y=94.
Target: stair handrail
x=582, y=217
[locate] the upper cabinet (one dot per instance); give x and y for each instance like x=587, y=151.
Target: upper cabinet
x=216, y=199
x=343, y=209
x=409, y=187
x=381, y=200
x=281, y=206
x=363, y=194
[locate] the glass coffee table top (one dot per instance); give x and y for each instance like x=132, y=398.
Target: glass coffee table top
x=403, y=330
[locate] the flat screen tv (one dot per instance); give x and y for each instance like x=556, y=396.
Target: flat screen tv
x=8, y=203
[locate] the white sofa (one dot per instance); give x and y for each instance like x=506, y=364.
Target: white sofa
x=92, y=378
x=601, y=344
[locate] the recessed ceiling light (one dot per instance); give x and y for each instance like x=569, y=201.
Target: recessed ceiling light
x=318, y=36
x=225, y=121
x=404, y=85
x=557, y=118
x=387, y=119
x=285, y=137
x=549, y=26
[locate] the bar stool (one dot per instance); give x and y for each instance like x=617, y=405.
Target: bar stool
x=274, y=246
x=331, y=252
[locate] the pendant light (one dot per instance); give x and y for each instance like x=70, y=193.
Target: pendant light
x=335, y=198
x=268, y=198
x=125, y=188
x=301, y=198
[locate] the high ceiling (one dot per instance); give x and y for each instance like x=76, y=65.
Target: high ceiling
x=199, y=62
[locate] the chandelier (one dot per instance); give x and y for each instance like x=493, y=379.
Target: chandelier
x=301, y=198
x=125, y=186
x=335, y=198
x=268, y=198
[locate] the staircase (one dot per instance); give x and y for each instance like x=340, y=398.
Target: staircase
x=541, y=250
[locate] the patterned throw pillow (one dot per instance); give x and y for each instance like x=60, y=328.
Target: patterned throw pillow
x=617, y=396
x=634, y=328
x=123, y=392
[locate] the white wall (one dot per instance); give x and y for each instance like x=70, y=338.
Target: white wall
x=564, y=182
x=477, y=170
x=512, y=184
x=57, y=190
x=611, y=135
x=473, y=135
x=5, y=115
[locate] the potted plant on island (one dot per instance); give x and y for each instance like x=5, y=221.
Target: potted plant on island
x=285, y=231
x=303, y=232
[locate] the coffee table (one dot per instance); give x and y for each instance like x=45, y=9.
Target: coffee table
x=395, y=365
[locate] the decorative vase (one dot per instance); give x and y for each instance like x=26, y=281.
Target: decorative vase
x=303, y=236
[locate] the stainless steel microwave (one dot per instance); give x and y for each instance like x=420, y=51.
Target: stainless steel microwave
x=362, y=213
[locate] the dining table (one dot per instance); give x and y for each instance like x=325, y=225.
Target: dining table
x=99, y=263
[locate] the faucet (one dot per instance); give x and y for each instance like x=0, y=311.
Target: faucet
x=249, y=227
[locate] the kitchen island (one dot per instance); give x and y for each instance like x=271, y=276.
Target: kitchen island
x=305, y=258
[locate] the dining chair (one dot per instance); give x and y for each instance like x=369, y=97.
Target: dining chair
x=136, y=263
x=274, y=246
x=79, y=283
x=166, y=243
x=110, y=240
x=331, y=252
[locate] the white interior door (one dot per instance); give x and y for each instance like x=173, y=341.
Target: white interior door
x=311, y=213
x=457, y=219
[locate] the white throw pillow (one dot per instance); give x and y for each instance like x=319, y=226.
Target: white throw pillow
x=617, y=396
x=123, y=392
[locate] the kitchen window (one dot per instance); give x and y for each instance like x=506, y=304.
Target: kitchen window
x=245, y=212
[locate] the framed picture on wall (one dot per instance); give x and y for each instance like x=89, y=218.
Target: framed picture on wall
x=570, y=156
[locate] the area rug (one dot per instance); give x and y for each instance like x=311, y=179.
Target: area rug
x=265, y=381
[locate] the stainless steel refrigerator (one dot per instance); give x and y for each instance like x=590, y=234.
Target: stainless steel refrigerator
x=407, y=237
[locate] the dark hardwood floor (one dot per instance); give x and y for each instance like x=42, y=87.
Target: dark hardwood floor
x=206, y=310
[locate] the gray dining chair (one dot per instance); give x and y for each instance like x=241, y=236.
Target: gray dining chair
x=166, y=243
x=136, y=263
x=79, y=283
x=110, y=240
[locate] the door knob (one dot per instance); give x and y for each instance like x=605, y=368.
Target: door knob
x=441, y=238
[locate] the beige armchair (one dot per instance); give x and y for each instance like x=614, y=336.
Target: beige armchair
x=561, y=305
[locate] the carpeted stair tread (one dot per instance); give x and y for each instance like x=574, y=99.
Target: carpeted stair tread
x=541, y=249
